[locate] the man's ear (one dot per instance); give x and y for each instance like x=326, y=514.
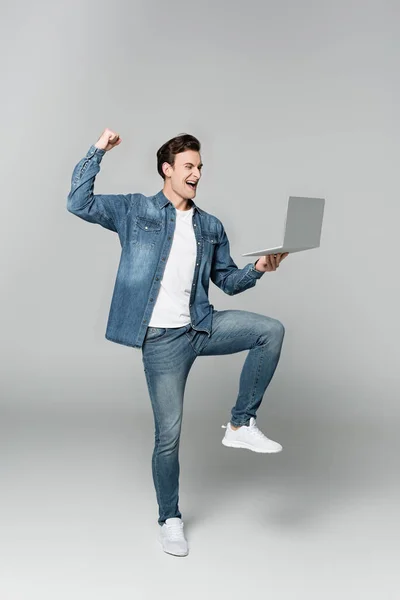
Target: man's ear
x=166, y=168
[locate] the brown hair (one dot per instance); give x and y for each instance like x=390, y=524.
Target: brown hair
x=180, y=143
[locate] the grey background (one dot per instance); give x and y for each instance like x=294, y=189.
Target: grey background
x=287, y=98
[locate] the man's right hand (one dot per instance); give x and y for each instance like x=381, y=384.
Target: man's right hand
x=108, y=140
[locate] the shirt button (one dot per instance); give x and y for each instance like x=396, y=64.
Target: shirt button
x=144, y=320
x=146, y=227
x=171, y=219
x=197, y=264
x=163, y=258
x=169, y=237
x=194, y=225
x=151, y=299
x=157, y=278
x=198, y=242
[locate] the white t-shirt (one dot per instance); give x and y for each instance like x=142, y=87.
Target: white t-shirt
x=172, y=304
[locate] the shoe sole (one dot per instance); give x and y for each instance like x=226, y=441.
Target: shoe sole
x=171, y=553
x=248, y=447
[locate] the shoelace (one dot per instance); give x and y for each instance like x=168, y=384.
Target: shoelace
x=175, y=532
x=253, y=429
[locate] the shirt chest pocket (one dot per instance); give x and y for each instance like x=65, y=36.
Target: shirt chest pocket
x=146, y=231
x=209, y=237
x=210, y=241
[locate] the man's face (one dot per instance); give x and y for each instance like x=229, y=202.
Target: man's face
x=185, y=174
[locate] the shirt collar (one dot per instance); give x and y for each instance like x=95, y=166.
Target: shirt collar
x=162, y=201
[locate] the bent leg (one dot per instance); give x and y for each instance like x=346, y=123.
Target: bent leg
x=237, y=330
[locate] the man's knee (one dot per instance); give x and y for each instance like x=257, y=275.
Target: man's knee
x=169, y=435
x=273, y=332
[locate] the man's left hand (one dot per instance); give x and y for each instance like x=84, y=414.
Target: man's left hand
x=270, y=262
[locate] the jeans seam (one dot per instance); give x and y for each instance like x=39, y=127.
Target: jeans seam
x=190, y=342
x=231, y=337
x=158, y=487
x=257, y=377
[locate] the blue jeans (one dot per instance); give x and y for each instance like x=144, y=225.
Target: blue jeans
x=168, y=354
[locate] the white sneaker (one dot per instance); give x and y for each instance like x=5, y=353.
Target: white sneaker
x=172, y=537
x=250, y=437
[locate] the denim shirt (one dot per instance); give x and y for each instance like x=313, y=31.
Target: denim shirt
x=145, y=227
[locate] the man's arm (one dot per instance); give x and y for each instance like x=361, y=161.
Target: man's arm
x=107, y=210
x=225, y=273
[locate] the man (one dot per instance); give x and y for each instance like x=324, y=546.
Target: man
x=171, y=248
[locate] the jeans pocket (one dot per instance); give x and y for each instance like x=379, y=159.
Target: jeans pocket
x=155, y=333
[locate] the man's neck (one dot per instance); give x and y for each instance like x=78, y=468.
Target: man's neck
x=179, y=202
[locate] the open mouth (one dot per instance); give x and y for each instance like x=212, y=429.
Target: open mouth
x=192, y=184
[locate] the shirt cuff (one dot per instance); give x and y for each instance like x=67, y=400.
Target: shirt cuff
x=253, y=271
x=94, y=151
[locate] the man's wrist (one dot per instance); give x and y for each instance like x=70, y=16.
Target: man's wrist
x=254, y=266
x=98, y=150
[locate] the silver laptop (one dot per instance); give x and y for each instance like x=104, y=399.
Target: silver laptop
x=303, y=225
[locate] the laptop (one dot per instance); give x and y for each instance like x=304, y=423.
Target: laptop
x=303, y=225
